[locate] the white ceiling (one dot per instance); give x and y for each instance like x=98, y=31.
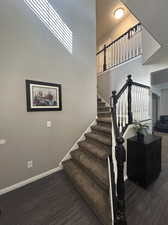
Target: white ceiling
x=105, y=19
x=153, y=15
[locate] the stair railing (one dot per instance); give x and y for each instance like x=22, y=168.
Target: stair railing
x=130, y=104
x=124, y=48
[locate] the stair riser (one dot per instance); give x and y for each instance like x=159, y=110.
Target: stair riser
x=98, y=141
x=99, y=132
x=103, y=109
x=104, y=114
x=89, y=201
x=108, y=125
x=101, y=104
x=89, y=173
x=94, y=155
x=105, y=130
x=100, y=147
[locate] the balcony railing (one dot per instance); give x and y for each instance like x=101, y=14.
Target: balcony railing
x=124, y=48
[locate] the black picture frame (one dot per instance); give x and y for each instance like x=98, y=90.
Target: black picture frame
x=57, y=104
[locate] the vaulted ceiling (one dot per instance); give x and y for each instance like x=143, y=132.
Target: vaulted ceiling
x=105, y=18
x=153, y=15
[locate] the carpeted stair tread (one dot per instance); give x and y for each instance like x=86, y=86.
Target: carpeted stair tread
x=102, y=129
x=104, y=108
x=95, y=196
x=101, y=104
x=100, y=138
x=104, y=114
x=105, y=120
x=93, y=166
x=101, y=151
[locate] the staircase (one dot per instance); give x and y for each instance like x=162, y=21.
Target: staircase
x=88, y=166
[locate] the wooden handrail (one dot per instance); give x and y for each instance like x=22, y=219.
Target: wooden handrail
x=123, y=49
x=140, y=85
x=127, y=32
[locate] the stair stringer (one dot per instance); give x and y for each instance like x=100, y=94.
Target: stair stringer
x=75, y=145
x=103, y=100
x=109, y=168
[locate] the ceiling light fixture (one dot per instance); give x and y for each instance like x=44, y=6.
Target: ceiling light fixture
x=119, y=13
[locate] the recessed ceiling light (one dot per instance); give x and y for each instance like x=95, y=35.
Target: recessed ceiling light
x=119, y=13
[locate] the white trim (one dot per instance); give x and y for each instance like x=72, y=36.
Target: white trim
x=45, y=174
x=29, y=181
x=75, y=145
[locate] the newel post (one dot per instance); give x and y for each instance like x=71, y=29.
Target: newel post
x=121, y=158
x=105, y=61
x=130, y=83
x=120, y=154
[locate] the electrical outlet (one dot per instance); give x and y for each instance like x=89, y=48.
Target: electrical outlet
x=29, y=164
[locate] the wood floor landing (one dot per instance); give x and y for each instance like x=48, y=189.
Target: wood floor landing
x=50, y=201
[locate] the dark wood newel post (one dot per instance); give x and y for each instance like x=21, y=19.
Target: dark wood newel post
x=105, y=63
x=114, y=198
x=130, y=83
x=121, y=158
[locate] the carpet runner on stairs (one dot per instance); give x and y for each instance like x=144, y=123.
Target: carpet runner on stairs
x=88, y=168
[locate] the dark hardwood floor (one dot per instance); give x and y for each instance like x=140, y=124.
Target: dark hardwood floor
x=54, y=201
x=50, y=201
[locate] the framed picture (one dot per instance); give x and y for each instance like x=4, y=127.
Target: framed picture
x=42, y=96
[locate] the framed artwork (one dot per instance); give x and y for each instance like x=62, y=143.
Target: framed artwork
x=42, y=96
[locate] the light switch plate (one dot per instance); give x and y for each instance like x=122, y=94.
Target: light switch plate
x=2, y=141
x=49, y=124
x=29, y=164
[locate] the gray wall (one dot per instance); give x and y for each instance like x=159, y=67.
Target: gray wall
x=149, y=44
x=164, y=102
x=30, y=51
x=114, y=79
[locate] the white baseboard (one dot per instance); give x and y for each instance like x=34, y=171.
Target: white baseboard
x=75, y=145
x=28, y=181
x=45, y=174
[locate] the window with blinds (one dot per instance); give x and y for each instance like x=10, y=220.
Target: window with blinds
x=47, y=14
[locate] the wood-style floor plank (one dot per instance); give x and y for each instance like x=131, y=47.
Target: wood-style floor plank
x=150, y=206
x=50, y=201
x=54, y=201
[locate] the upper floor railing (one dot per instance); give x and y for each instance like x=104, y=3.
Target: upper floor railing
x=124, y=48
